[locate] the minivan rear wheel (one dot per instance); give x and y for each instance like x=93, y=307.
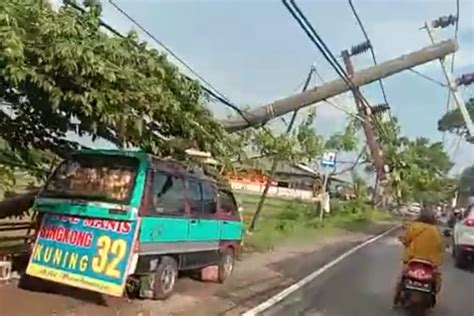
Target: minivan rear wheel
x=226, y=264
x=165, y=278
x=31, y=283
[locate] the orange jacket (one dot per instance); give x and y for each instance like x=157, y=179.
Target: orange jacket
x=423, y=241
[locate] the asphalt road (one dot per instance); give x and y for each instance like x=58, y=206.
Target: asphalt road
x=362, y=285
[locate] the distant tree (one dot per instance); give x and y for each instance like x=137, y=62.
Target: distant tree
x=419, y=168
x=453, y=121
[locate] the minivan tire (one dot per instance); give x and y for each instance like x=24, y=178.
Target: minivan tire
x=226, y=264
x=165, y=278
x=34, y=284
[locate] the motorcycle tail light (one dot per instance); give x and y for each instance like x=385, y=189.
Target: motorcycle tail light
x=420, y=274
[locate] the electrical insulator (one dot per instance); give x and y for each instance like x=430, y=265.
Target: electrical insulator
x=465, y=80
x=380, y=108
x=444, y=21
x=360, y=48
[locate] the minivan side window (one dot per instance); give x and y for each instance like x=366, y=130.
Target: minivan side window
x=227, y=202
x=168, y=194
x=195, y=196
x=209, y=197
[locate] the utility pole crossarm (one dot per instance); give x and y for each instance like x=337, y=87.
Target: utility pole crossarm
x=281, y=107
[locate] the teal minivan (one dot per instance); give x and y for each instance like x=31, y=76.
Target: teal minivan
x=114, y=220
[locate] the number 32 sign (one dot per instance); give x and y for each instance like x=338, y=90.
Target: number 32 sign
x=92, y=254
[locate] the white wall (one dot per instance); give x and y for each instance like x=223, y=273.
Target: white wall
x=273, y=191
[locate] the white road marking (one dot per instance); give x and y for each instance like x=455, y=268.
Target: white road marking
x=392, y=241
x=296, y=286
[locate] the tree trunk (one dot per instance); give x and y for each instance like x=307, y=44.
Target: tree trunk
x=256, y=215
x=275, y=162
x=18, y=204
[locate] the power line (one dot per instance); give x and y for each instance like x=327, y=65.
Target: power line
x=165, y=47
x=372, y=51
x=455, y=146
x=217, y=95
x=374, y=59
x=333, y=104
x=341, y=108
x=354, y=164
x=428, y=78
x=305, y=85
x=314, y=37
x=301, y=19
x=318, y=74
x=456, y=28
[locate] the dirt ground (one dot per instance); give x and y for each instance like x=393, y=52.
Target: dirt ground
x=256, y=278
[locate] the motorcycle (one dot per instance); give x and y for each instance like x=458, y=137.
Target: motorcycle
x=418, y=293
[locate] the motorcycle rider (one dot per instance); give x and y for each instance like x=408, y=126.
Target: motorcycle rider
x=422, y=240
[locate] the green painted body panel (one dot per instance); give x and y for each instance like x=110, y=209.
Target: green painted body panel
x=204, y=229
x=231, y=230
x=68, y=207
x=163, y=229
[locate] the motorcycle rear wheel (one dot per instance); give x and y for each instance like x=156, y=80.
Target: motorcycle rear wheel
x=417, y=310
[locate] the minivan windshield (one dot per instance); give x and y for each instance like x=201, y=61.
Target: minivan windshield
x=94, y=177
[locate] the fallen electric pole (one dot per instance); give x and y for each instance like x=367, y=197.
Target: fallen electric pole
x=374, y=147
x=281, y=107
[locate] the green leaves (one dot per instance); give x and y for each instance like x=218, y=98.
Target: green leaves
x=419, y=168
x=344, y=141
x=59, y=72
x=453, y=121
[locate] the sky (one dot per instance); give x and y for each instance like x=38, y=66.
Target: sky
x=253, y=52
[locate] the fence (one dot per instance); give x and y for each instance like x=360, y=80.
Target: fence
x=14, y=241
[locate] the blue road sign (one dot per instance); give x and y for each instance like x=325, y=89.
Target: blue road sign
x=329, y=159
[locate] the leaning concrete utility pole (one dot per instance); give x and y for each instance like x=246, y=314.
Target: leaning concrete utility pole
x=443, y=22
x=265, y=113
x=364, y=112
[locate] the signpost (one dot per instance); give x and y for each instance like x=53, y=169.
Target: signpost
x=328, y=162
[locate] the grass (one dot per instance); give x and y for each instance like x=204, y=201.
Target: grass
x=288, y=221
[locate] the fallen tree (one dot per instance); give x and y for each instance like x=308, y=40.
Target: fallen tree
x=18, y=205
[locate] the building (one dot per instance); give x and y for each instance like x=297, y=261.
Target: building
x=290, y=180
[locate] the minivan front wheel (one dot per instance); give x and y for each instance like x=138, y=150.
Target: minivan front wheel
x=226, y=264
x=165, y=278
